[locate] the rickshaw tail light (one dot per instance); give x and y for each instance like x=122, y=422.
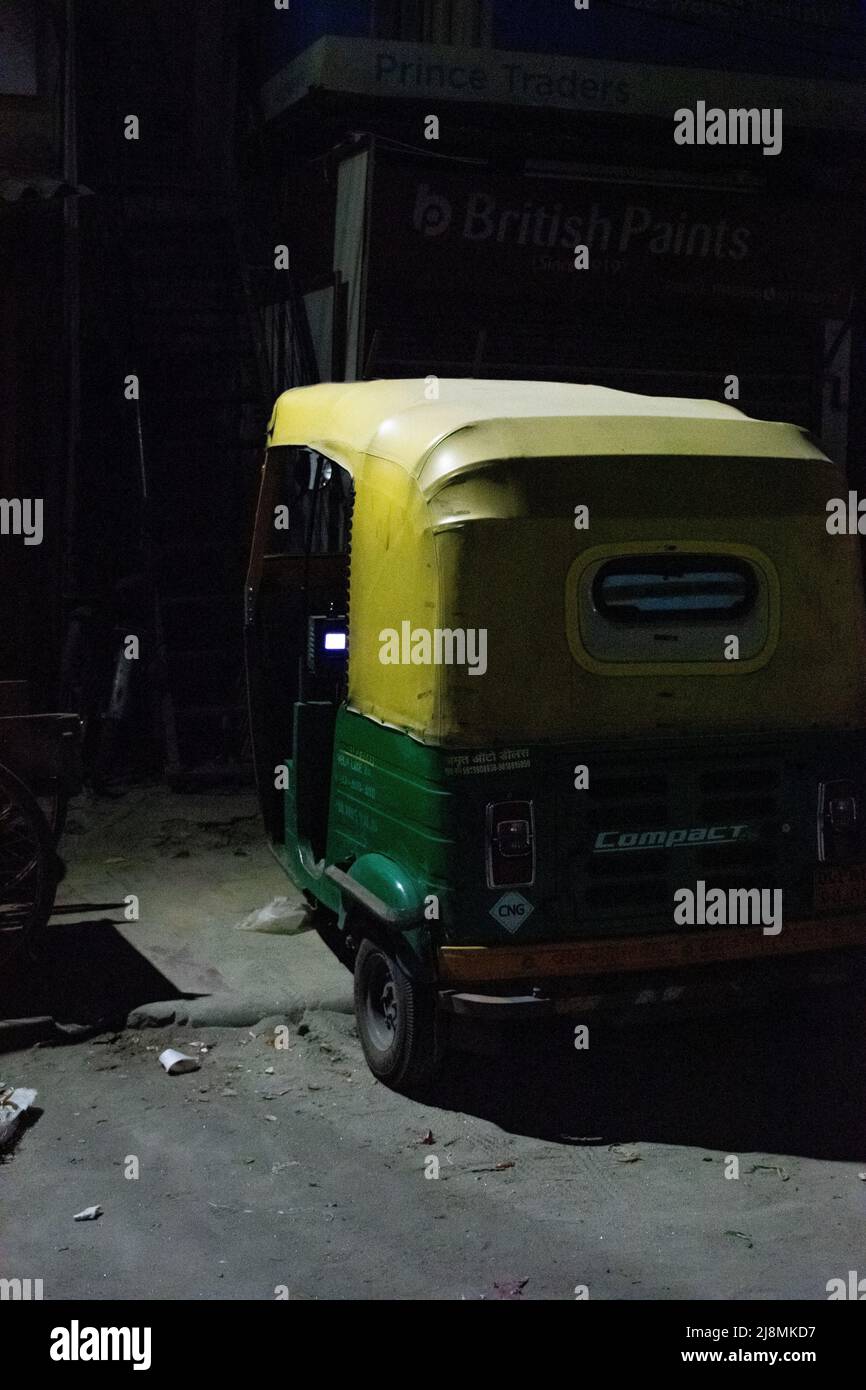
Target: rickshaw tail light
x=839, y=834
x=510, y=843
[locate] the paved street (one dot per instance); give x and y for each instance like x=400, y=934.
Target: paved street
x=281, y=1165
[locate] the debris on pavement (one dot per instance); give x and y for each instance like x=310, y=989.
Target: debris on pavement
x=512, y=1288
x=624, y=1155
x=770, y=1168
x=741, y=1235
x=88, y=1214
x=279, y=917
x=14, y=1103
x=176, y=1063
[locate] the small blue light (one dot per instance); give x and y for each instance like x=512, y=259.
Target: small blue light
x=335, y=641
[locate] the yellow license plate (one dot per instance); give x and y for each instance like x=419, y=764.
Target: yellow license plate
x=840, y=886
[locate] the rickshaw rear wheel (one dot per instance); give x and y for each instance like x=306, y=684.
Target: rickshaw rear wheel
x=396, y=1018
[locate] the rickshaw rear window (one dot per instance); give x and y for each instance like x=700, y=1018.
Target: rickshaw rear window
x=683, y=588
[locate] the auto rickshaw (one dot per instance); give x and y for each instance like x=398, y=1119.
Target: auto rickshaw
x=526, y=659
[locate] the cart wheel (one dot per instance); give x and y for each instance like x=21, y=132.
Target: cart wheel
x=28, y=864
x=55, y=805
x=396, y=1020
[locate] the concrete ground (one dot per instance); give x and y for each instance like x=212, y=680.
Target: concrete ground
x=280, y=1165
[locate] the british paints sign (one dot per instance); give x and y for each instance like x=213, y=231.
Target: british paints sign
x=512, y=237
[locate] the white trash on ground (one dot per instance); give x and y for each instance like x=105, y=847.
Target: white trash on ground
x=280, y=917
x=176, y=1063
x=13, y=1104
x=89, y=1214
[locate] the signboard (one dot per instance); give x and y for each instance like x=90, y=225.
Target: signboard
x=373, y=67
x=17, y=48
x=498, y=237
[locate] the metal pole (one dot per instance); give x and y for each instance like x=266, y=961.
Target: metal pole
x=71, y=310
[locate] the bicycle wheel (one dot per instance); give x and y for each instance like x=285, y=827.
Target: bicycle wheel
x=28, y=872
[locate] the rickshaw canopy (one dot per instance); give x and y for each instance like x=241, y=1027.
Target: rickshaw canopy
x=409, y=423
x=464, y=518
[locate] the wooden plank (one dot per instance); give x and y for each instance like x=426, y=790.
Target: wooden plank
x=42, y=749
x=14, y=697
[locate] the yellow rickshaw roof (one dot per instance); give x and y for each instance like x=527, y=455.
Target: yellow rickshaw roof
x=406, y=420
x=464, y=520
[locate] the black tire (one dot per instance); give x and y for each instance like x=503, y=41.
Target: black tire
x=396, y=1020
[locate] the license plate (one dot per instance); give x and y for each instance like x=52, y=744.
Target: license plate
x=840, y=886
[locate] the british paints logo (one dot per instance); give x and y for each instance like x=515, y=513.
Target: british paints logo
x=433, y=212
x=484, y=218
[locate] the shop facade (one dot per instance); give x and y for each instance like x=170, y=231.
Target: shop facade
x=496, y=190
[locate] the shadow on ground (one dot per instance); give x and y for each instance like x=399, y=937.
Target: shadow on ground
x=787, y=1081
x=82, y=973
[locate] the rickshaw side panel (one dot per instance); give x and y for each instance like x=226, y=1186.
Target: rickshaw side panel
x=424, y=809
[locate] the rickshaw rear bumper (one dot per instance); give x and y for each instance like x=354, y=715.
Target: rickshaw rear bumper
x=496, y=1006
x=724, y=968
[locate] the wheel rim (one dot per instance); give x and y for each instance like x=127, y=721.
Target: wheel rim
x=20, y=845
x=381, y=1005
x=26, y=885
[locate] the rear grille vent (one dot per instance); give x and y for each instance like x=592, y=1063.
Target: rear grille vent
x=748, y=781
x=626, y=879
